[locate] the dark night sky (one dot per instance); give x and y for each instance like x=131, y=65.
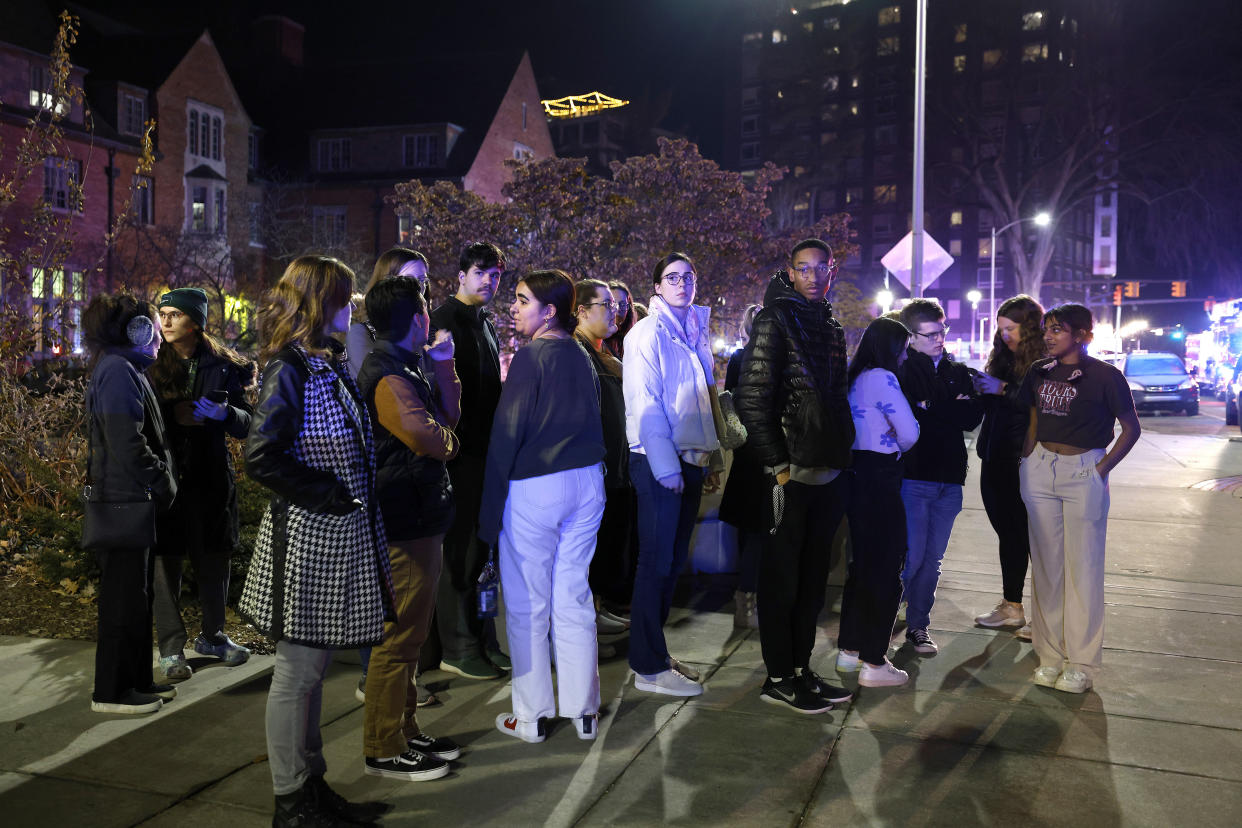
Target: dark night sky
x=625, y=48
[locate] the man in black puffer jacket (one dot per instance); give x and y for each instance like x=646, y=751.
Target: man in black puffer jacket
x=792, y=399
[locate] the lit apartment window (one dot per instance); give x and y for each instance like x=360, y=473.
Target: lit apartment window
x=887, y=46
x=406, y=229
x=778, y=36
x=955, y=247
x=985, y=247
x=41, y=90
x=133, y=114
x=992, y=58
x=808, y=27
x=1033, y=21
x=853, y=195
x=959, y=33
x=61, y=187
x=334, y=154
x=959, y=64
x=752, y=39
x=955, y=218
x=831, y=83
x=889, y=15
x=1033, y=52
x=885, y=194
x=420, y=151
x=143, y=199
x=855, y=80
x=328, y=227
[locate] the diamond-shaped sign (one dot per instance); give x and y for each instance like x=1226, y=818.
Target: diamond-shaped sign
x=936, y=259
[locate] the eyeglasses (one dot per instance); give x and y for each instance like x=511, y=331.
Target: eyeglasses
x=676, y=279
x=822, y=269
x=170, y=316
x=612, y=306
x=940, y=334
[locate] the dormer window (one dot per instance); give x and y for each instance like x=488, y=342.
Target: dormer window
x=133, y=114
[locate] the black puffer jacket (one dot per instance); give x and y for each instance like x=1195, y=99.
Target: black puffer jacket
x=933, y=391
x=792, y=391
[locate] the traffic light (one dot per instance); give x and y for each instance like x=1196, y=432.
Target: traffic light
x=1117, y=295
x=1132, y=290
x=1179, y=289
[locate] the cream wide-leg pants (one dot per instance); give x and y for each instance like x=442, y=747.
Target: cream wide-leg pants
x=546, y=545
x=1067, y=507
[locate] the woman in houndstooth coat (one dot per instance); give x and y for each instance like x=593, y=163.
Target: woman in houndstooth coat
x=319, y=579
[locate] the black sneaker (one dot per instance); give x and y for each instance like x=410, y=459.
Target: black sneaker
x=445, y=749
x=411, y=766
x=815, y=683
x=921, y=642
x=790, y=692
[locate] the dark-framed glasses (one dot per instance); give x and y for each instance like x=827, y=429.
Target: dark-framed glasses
x=612, y=306
x=940, y=334
x=676, y=279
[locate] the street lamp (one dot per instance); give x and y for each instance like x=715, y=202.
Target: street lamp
x=1042, y=219
x=973, y=297
x=885, y=300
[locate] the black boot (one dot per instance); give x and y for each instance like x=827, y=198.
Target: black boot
x=300, y=810
x=331, y=802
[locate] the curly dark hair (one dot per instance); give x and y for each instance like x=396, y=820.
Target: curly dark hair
x=1008, y=365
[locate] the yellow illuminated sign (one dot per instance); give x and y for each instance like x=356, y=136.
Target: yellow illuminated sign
x=576, y=106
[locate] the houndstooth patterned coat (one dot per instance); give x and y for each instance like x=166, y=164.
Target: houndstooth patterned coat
x=320, y=574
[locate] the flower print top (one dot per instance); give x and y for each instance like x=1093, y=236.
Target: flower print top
x=883, y=421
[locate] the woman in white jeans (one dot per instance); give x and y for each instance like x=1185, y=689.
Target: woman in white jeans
x=543, y=497
x=1075, y=401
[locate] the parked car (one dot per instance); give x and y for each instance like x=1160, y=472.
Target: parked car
x=1159, y=381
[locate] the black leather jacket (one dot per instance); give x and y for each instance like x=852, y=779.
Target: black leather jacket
x=792, y=392
x=274, y=427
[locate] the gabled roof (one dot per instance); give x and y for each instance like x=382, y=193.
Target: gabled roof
x=465, y=89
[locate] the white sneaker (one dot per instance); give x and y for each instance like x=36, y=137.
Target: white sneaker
x=1006, y=614
x=587, y=726
x=532, y=732
x=1024, y=632
x=847, y=663
x=1073, y=681
x=1046, y=676
x=884, y=675
x=668, y=682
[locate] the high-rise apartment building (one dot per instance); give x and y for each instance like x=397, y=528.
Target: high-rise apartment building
x=826, y=89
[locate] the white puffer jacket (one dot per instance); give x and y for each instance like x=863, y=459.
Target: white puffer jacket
x=668, y=408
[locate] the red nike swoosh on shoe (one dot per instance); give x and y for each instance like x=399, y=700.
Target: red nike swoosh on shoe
x=511, y=724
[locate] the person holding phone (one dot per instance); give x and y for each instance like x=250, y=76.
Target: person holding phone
x=202, y=386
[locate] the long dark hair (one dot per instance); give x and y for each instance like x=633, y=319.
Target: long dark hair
x=665, y=261
x=169, y=375
x=616, y=343
x=1008, y=365
x=881, y=345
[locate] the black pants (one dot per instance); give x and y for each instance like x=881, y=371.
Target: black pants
x=793, y=573
x=611, y=570
x=462, y=633
x=878, y=537
x=123, y=652
x=1002, y=498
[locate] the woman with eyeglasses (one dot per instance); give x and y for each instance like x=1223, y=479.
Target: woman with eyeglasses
x=396, y=261
x=626, y=317
x=1018, y=343
x=674, y=457
x=1074, y=401
x=597, y=313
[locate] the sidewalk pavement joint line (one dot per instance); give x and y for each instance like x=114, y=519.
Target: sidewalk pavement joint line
x=823, y=772
x=654, y=735
x=1162, y=451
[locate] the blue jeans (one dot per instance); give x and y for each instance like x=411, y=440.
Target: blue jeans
x=931, y=509
x=665, y=523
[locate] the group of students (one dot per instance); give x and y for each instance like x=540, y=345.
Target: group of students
x=399, y=466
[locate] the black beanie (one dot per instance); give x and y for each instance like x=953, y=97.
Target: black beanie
x=191, y=301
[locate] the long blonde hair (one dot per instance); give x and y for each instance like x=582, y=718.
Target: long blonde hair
x=294, y=312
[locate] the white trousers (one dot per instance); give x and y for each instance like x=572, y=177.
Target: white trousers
x=546, y=545
x=1067, y=507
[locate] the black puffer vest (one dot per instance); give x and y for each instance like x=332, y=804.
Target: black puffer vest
x=413, y=490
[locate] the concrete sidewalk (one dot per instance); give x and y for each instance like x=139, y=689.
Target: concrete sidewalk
x=969, y=741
